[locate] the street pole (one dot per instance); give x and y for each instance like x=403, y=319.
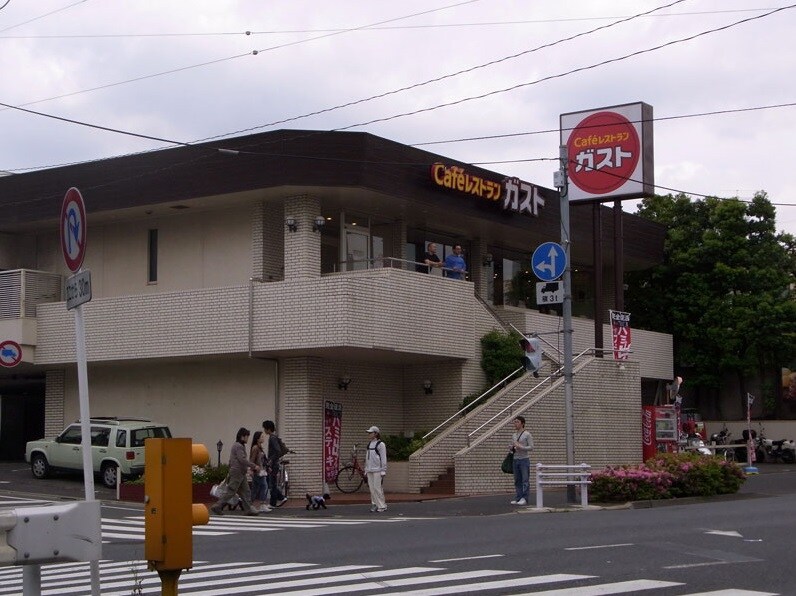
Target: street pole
x=562, y=183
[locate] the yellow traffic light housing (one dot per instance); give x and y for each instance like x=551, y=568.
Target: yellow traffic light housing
x=169, y=513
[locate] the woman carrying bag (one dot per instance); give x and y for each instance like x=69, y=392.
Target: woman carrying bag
x=521, y=446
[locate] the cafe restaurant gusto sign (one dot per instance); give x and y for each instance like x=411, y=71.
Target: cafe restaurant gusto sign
x=516, y=195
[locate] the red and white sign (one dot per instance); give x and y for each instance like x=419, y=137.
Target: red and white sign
x=73, y=229
x=10, y=353
x=620, y=332
x=609, y=152
x=332, y=431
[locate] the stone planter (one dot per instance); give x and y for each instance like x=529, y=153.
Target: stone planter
x=135, y=492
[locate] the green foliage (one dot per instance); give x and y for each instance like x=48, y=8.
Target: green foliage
x=500, y=355
x=724, y=290
x=210, y=474
x=666, y=476
x=399, y=448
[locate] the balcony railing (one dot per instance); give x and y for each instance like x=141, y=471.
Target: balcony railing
x=22, y=290
x=394, y=263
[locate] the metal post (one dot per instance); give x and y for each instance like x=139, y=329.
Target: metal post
x=539, y=497
x=85, y=427
x=584, y=485
x=567, y=316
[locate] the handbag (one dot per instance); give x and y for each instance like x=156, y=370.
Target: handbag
x=218, y=489
x=507, y=467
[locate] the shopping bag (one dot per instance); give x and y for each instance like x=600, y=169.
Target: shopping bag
x=217, y=489
x=507, y=466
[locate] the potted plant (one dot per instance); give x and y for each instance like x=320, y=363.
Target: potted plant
x=203, y=478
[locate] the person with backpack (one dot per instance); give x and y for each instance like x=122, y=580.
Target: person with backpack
x=275, y=451
x=376, y=469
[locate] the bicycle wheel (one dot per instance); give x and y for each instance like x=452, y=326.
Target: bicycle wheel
x=282, y=483
x=348, y=480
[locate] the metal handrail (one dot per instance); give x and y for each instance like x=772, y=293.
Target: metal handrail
x=472, y=403
x=524, y=395
x=388, y=262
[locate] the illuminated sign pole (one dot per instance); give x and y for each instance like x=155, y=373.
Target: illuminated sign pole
x=560, y=180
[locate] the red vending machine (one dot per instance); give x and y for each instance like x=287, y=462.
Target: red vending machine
x=659, y=430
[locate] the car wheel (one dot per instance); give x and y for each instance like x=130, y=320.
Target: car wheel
x=110, y=474
x=39, y=466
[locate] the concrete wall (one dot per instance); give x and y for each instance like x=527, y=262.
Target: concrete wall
x=207, y=400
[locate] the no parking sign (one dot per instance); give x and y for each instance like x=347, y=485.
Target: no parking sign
x=10, y=353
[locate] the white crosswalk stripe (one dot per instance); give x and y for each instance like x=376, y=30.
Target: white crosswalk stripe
x=121, y=578
x=9, y=502
x=132, y=527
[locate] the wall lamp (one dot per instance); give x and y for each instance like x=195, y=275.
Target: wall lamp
x=318, y=223
x=344, y=382
x=291, y=223
x=488, y=259
x=428, y=387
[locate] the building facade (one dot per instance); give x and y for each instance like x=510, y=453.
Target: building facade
x=243, y=280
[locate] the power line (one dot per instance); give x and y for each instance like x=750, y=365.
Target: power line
x=373, y=28
x=437, y=79
x=236, y=56
x=52, y=12
x=564, y=74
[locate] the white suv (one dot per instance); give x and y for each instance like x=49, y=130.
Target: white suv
x=117, y=446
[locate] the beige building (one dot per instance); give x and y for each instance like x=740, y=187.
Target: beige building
x=234, y=286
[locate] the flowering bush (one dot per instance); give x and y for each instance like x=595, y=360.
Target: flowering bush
x=666, y=476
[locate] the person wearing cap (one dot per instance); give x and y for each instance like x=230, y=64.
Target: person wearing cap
x=376, y=469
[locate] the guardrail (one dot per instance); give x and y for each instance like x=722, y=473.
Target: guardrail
x=563, y=475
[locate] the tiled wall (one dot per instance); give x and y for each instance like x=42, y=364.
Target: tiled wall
x=53, y=403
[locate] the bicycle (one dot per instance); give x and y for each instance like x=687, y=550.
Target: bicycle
x=282, y=476
x=351, y=476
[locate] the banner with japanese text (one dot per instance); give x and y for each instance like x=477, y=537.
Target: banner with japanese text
x=332, y=429
x=620, y=332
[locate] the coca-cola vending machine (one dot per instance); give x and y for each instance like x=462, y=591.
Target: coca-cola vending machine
x=659, y=430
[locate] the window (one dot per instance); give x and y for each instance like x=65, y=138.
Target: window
x=100, y=436
x=155, y=432
x=121, y=438
x=71, y=436
x=152, y=257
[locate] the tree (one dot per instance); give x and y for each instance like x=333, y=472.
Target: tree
x=725, y=290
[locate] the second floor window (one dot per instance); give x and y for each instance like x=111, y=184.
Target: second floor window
x=152, y=257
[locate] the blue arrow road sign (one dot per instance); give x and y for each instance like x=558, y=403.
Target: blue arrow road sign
x=549, y=261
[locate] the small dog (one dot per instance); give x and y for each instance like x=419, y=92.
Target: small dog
x=317, y=502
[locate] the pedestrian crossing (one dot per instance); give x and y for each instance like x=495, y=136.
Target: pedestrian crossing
x=132, y=527
x=121, y=578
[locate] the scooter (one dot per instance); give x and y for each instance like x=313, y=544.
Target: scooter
x=722, y=438
x=783, y=450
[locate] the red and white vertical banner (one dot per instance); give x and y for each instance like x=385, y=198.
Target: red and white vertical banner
x=332, y=430
x=620, y=332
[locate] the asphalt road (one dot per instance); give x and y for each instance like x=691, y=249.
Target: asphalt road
x=737, y=545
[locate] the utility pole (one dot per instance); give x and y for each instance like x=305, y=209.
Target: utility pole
x=560, y=180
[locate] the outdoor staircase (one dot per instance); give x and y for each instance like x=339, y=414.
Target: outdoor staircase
x=445, y=484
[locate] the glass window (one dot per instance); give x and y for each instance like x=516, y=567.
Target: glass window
x=152, y=257
x=72, y=435
x=154, y=432
x=100, y=436
x=121, y=438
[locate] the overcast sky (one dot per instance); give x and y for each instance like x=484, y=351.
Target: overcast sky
x=186, y=71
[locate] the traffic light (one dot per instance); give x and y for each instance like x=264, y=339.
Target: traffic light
x=169, y=511
x=531, y=354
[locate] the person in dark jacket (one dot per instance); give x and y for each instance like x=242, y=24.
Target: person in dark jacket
x=274, y=453
x=239, y=464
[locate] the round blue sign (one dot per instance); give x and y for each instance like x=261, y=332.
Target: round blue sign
x=549, y=261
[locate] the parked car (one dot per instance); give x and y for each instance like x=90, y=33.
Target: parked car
x=117, y=447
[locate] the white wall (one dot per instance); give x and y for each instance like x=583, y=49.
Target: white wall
x=195, y=250
x=207, y=400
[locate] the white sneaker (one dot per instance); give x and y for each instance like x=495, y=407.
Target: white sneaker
x=266, y=508
x=522, y=502
x=514, y=502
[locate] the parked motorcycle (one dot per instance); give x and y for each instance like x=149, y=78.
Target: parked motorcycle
x=757, y=441
x=723, y=438
x=783, y=450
